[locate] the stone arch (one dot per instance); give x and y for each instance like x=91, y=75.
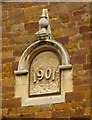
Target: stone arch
x=51, y=45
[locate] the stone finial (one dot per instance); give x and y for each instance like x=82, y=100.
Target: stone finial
x=44, y=26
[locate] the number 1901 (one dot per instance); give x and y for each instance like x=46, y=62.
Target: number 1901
x=47, y=74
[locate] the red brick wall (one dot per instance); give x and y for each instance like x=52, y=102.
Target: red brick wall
x=70, y=24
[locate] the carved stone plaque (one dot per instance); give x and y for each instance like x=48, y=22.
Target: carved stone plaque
x=44, y=74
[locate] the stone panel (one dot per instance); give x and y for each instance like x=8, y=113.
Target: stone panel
x=44, y=74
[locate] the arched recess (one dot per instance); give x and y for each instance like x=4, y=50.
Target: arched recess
x=30, y=52
x=22, y=74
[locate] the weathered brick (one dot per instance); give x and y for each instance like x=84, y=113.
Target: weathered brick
x=86, y=103
x=69, y=31
x=82, y=88
x=7, y=74
x=88, y=95
x=10, y=103
x=74, y=96
x=82, y=73
x=87, y=111
x=9, y=95
x=64, y=7
x=7, y=48
x=22, y=4
x=72, y=46
x=28, y=4
x=87, y=66
x=46, y=107
x=81, y=51
x=11, y=117
x=24, y=110
x=10, y=35
x=57, y=8
x=8, y=81
x=30, y=15
x=22, y=46
x=7, y=67
x=35, y=108
x=57, y=33
x=44, y=114
x=84, y=22
x=75, y=18
x=56, y=24
x=4, y=15
x=8, y=89
x=17, y=58
x=30, y=115
x=65, y=18
x=7, y=6
x=71, y=24
x=31, y=27
x=37, y=4
x=78, y=67
x=89, y=57
x=21, y=39
x=7, y=53
x=86, y=36
x=76, y=104
x=17, y=29
x=79, y=59
x=5, y=41
x=8, y=25
x=62, y=106
x=75, y=39
x=76, y=5
x=4, y=112
x=17, y=53
x=16, y=15
x=63, y=40
x=82, y=80
x=79, y=111
x=21, y=112
x=25, y=39
x=79, y=12
x=15, y=66
x=7, y=60
x=62, y=113
x=84, y=29
x=85, y=44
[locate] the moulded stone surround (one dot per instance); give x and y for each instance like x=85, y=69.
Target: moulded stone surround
x=24, y=81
